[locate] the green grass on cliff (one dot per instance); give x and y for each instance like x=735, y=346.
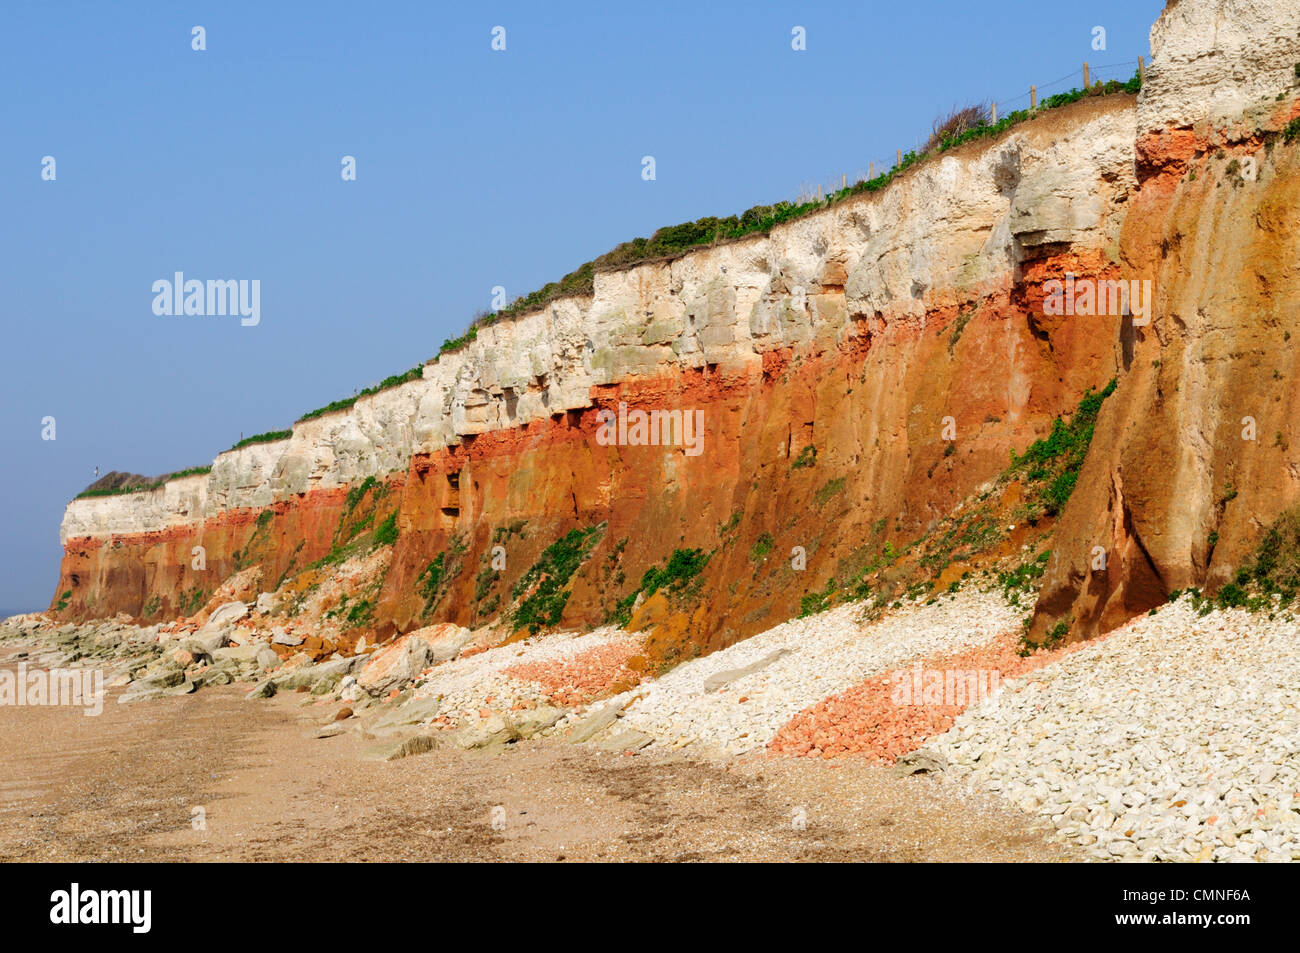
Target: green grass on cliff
x=142, y=487
x=543, y=586
x=435, y=579
x=397, y=380
x=1051, y=465
x=119, y=491
x=676, y=240
x=677, y=575
x=386, y=532
x=1269, y=581
x=269, y=437
x=1276, y=568
x=815, y=602
x=673, y=241
x=1048, y=471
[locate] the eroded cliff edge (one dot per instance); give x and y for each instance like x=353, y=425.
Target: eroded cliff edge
x=855, y=332
x=1191, y=459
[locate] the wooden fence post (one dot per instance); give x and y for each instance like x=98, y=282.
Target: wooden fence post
x=1033, y=98
x=1142, y=69
x=900, y=159
x=1085, y=75
x=871, y=171
x=995, y=114
x=844, y=180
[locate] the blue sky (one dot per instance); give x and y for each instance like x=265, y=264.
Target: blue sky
x=475, y=168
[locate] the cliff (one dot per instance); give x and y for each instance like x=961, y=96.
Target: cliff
x=859, y=372
x=1191, y=460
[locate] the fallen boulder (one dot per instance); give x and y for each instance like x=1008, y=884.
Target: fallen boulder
x=266, y=689
x=533, y=720
x=595, y=723
x=719, y=679
x=408, y=655
x=265, y=658
x=622, y=741
x=414, y=712
x=279, y=636
x=921, y=761
x=328, y=674
x=227, y=613
x=393, y=750
x=210, y=639
x=485, y=732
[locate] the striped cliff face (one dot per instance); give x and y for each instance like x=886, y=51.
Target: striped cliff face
x=1192, y=457
x=827, y=366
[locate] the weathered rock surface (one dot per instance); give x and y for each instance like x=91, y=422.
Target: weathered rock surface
x=1191, y=458
x=404, y=659
x=856, y=332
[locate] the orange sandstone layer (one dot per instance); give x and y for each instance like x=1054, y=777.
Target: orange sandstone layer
x=1192, y=456
x=873, y=408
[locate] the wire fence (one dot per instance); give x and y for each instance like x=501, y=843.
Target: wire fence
x=1087, y=76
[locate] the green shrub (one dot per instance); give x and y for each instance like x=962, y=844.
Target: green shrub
x=414, y=374
x=682, y=568
x=1058, y=492
x=430, y=579
x=683, y=565
x=386, y=532
x=360, y=613
x=1022, y=578
x=118, y=491
x=483, y=582
x=957, y=124
x=356, y=494
x=726, y=528
x=269, y=437
x=191, y=601
x=548, y=577
x=1051, y=464
x=1231, y=596
x=807, y=458
x=452, y=345
x=1276, y=566
x=815, y=602
x=1051, y=639
x=1056, y=634
x=830, y=489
